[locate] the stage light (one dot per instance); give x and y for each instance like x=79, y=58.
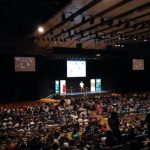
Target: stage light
x=40, y=29
x=127, y=24
x=146, y=39
x=131, y=36
x=135, y=38
x=96, y=34
x=60, y=41
x=110, y=22
x=98, y=55
x=124, y=37
x=75, y=32
x=120, y=37
x=62, y=31
x=90, y=34
x=135, y=26
x=63, y=17
x=142, y=26
x=119, y=23
x=111, y=35
x=69, y=32
x=65, y=40
x=81, y=33
x=102, y=21
x=83, y=19
x=72, y=19
x=92, y=20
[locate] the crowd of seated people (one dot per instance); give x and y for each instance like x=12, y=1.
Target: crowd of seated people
x=103, y=121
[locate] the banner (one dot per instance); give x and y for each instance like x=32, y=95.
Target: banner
x=92, y=85
x=63, y=86
x=98, y=85
x=57, y=86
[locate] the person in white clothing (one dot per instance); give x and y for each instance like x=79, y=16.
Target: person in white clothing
x=82, y=86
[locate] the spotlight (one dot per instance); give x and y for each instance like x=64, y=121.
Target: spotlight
x=135, y=26
x=72, y=19
x=65, y=40
x=110, y=22
x=75, y=32
x=83, y=19
x=69, y=32
x=102, y=21
x=145, y=39
x=120, y=37
x=127, y=24
x=142, y=26
x=63, y=17
x=135, y=38
x=124, y=37
x=92, y=20
x=119, y=23
x=111, y=35
x=40, y=29
x=60, y=41
x=90, y=34
x=96, y=34
x=81, y=33
x=62, y=31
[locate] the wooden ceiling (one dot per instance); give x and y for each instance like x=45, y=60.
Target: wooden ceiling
x=95, y=24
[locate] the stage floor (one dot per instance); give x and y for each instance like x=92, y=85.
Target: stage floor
x=82, y=93
x=75, y=94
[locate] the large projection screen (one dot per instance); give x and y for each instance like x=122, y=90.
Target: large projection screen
x=24, y=64
x=137, y=64
x=76, y=68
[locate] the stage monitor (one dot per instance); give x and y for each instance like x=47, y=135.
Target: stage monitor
x=137, y=64
x=24, y=64
x=76, y=68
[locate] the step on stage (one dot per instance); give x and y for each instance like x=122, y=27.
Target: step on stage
x=75, y=94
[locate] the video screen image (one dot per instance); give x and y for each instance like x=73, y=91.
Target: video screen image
x=24, y=64
x=137, y=64
x=76, y=68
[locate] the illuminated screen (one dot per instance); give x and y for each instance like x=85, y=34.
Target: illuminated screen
x=137, y=64
x=24, y=64
x=76, y=68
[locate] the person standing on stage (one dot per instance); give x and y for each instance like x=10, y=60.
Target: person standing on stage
x=64, y=88
x=82, y=86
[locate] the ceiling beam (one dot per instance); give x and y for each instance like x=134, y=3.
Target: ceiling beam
x=133, y=19
x=80, y=11
x=99, y=14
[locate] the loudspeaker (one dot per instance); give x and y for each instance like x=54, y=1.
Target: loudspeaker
x=79, y=45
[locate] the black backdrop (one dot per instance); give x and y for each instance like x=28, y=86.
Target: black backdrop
x=116, y=74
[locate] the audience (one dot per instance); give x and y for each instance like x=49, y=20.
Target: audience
x=93, y=122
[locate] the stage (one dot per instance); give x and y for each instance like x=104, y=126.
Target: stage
x=75, y=94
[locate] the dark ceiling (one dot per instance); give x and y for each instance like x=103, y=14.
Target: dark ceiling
x=20, y=18
x=90, y=24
